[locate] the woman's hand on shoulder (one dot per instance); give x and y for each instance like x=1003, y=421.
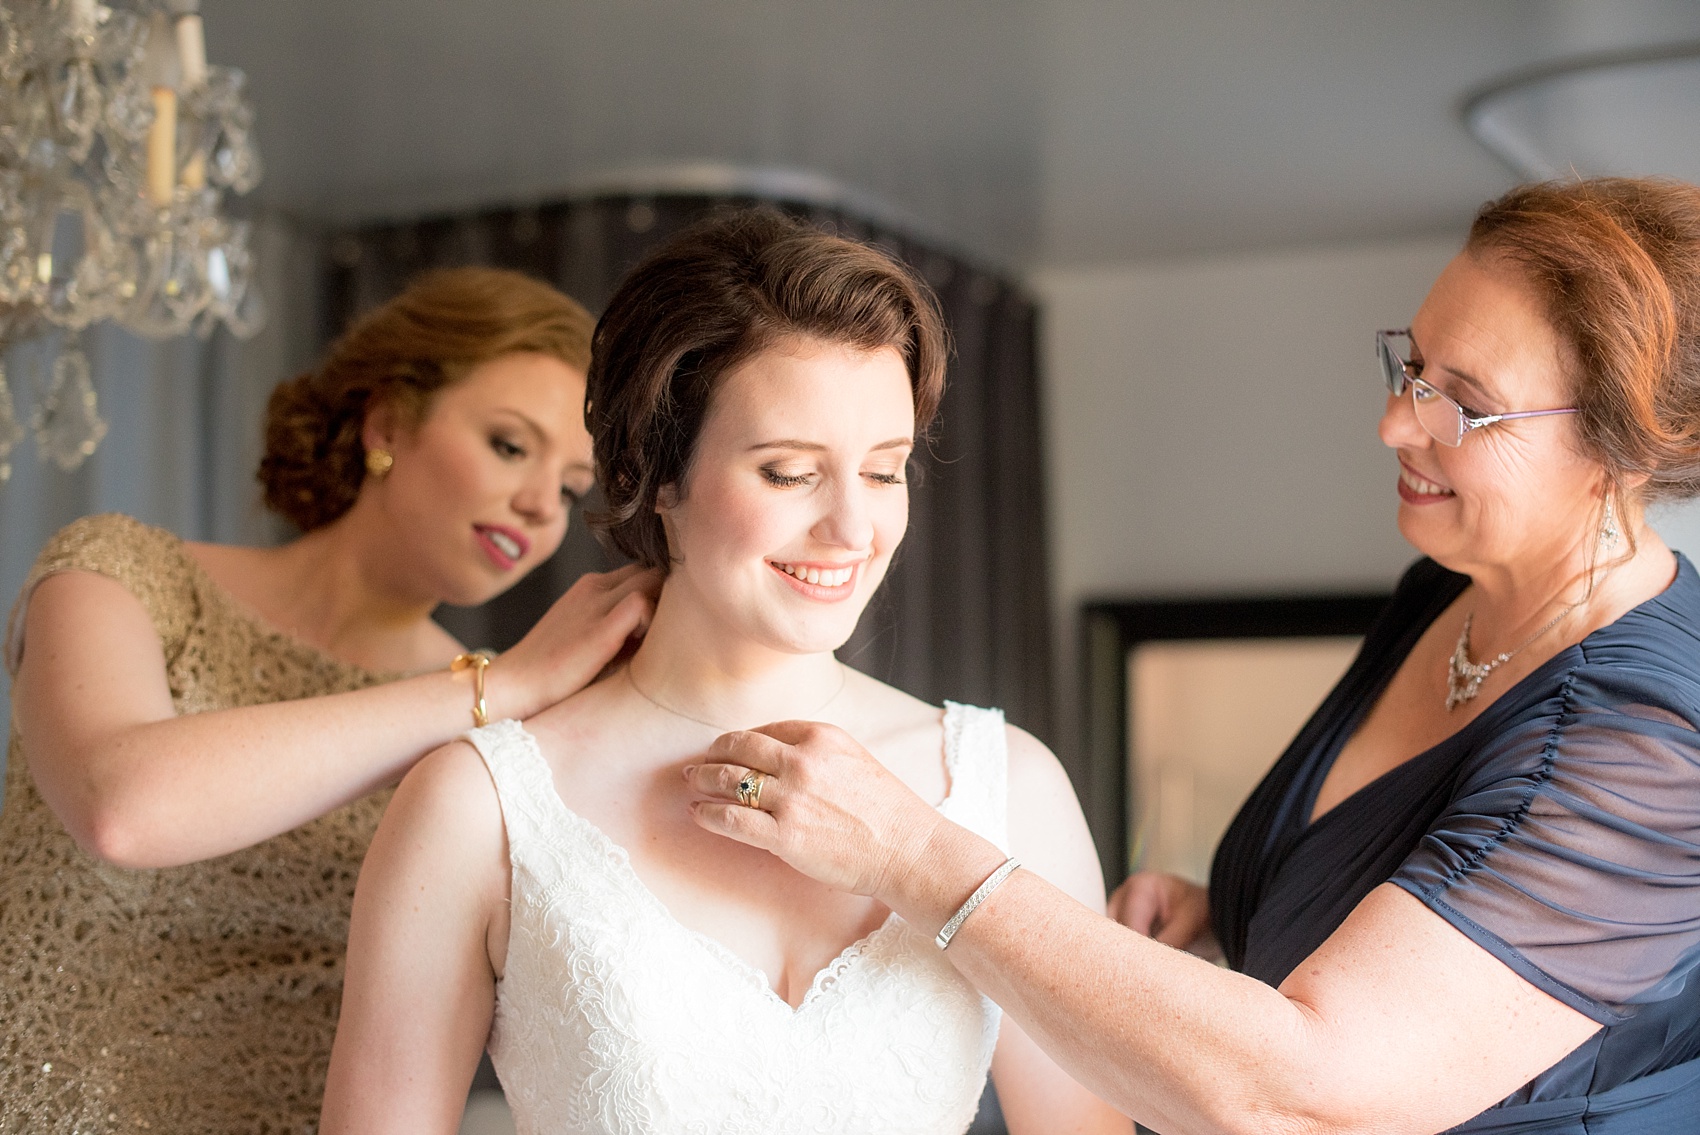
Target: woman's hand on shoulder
x=576, y=639
x=427, y=937
x=1173, y=910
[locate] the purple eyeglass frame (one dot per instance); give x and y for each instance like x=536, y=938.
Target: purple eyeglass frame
x=1396, y=369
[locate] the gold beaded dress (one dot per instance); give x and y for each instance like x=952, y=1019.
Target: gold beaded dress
x=185, y=1000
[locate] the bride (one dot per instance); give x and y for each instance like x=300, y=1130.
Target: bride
x=755, y=392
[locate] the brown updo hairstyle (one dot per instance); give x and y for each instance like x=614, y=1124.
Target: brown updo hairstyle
x=444, y=325
x=1617, y=261
x=709, y=299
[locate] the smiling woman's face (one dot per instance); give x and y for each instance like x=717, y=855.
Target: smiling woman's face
x=1516, y=495
x=795, y=498
x=481, y=489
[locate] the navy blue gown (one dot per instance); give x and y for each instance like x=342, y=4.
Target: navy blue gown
x=1559, y=830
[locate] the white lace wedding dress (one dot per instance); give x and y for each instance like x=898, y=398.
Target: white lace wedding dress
x=614, y=1019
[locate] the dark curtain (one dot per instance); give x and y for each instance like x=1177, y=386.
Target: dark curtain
x=964, y=613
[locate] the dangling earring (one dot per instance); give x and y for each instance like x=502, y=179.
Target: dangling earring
x=378, y=462
x=1609, y=534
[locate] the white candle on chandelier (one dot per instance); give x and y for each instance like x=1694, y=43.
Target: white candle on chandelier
x=82, y=17
x=192, y=56
x=162, y=71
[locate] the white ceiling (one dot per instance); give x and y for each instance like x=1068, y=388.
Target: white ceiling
x=1035, y=132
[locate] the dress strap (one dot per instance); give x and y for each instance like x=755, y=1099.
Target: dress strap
x=525, y=786
x=976, y=758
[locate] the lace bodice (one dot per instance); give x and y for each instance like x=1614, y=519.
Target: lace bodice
x=195, y=1000
x=614, y=1019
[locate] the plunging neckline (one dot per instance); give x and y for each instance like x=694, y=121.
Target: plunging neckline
x=1309, y=821
x=620, y=859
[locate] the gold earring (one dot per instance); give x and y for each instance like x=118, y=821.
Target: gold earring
x=378, y=462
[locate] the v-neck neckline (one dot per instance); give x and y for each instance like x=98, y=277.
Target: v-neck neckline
x=621, y=861
x=1318, y=775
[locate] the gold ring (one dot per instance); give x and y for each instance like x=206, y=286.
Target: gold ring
x=749, y=789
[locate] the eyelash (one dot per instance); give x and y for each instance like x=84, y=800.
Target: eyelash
x=1417, y=365
x=791, y=481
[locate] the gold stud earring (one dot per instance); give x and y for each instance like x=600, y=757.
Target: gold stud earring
x=378, y=462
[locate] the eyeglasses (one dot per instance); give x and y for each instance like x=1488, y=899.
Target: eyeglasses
x=1443, y=418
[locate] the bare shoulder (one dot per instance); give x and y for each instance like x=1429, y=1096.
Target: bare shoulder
x=1047, y=830
x=437, y=871
x=582, y=722
x=904, y=732
x=447, y=807
x=1034, y=771
x=887, y=714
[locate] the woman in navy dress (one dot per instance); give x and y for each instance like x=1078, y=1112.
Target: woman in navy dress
x=1468, y=895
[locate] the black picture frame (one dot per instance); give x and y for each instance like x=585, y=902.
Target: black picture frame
x=1109, y=631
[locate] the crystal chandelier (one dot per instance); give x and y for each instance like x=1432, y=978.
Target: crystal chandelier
x=117, y=142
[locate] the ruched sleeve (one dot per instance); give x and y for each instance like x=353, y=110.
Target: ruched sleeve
x=1571, y=846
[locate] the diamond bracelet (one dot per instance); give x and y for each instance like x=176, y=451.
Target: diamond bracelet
x=948, y=931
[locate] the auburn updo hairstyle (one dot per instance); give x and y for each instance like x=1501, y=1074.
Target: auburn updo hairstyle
x=709, y=299
x=1617, y=262
x=429, y=337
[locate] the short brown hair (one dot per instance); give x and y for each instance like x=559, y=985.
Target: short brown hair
x=444, y=325
x=1617, y=261
x=712, y=297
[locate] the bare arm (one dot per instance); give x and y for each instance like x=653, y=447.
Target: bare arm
x=1048, y=834
x=140, y=786
x=1398, y=1023
x=419, y=992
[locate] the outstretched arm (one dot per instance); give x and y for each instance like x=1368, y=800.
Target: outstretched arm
x=429, y=917
x=1048, y=834
x=140, y=786
x=1397, y=1024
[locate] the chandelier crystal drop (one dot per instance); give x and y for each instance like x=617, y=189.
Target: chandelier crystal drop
x=117, y=145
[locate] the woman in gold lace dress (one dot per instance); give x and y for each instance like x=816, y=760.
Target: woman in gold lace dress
x=202, y=735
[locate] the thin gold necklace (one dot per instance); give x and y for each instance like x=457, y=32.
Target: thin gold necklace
x=1464, y=678
x=843, y=680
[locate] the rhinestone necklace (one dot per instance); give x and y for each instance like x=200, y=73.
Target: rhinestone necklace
x=1464, y=678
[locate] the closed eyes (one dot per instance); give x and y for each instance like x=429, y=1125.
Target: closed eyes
x=784, y=480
